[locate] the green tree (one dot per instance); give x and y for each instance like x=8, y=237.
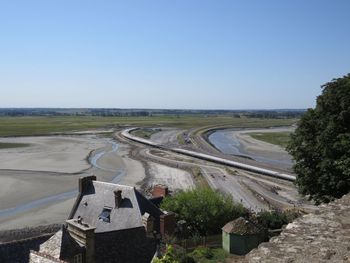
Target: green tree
x=204, y=210
x=320, y=145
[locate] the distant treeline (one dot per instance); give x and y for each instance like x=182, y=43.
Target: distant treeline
x=283, y=113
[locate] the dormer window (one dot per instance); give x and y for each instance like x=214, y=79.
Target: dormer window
x=105, y=215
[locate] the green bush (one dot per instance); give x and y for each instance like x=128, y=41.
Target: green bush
x=204, y=255
x=205, y=211
x=202, y=252
x=276, y=219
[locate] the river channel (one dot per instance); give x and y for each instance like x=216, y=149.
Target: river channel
x=229, y=141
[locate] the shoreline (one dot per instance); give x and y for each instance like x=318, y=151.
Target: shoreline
x=245, y=146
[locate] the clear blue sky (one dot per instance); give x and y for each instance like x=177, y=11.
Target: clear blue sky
x=197, y=54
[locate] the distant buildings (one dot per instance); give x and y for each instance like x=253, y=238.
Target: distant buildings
x=108, y=223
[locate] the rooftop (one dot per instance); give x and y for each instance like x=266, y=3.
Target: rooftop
x=241, y=226
x=97, y=207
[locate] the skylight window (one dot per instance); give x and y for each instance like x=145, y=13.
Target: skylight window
x=105, y=215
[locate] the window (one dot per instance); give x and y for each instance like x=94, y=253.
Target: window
x=78, y=258
x=105, y=215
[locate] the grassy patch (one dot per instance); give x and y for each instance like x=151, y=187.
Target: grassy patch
x=277, y=138
x=16, y=126
x=145, y=133
x=7, y=145
x=198, y=177
x=231, y=171
x=181, y=139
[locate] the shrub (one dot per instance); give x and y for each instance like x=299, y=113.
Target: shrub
x=205, y=211
x=276, y=219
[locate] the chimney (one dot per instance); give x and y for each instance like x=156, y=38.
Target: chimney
x=160, y=190
x=167, y=224
x=148, y=223
x=84, y=235
x=118, y=198
x=84, y=182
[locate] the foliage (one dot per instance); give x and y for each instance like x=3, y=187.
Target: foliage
x=205, y=211
x=200, y=254
x=276, y=219
x=203, y=254
x=168, y=257
x=320, y=145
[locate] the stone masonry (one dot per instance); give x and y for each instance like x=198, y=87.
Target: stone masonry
x=323, y=236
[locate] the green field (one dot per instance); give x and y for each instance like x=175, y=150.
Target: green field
x=278, y=138
x=7, y=145
x=20, y=126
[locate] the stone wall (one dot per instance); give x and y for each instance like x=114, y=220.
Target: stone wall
x=322, y=236
x=128, y=246
x=27, y=232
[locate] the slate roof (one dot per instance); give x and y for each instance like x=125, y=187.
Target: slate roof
x=241, y=226
x=61, y=245
x=99, y=195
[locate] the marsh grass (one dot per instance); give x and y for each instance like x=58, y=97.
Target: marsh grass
x=277, y=138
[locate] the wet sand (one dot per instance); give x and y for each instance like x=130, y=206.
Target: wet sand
x=18, y=187
x=64, y=154
x=239, y=142
x=52, y=214
x=50, y=168
x=43, y=187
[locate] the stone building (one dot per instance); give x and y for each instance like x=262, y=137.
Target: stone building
x=108, y=223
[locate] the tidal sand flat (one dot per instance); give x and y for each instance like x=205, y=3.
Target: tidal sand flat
x=38, y=184
x=63, y=154
x=239, y=142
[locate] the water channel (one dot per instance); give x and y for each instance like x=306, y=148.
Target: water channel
x=227, y=142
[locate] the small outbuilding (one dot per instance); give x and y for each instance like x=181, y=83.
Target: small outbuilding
x=241, y=236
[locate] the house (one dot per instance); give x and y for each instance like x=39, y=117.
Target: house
x=240, y=236
x=108, y=223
